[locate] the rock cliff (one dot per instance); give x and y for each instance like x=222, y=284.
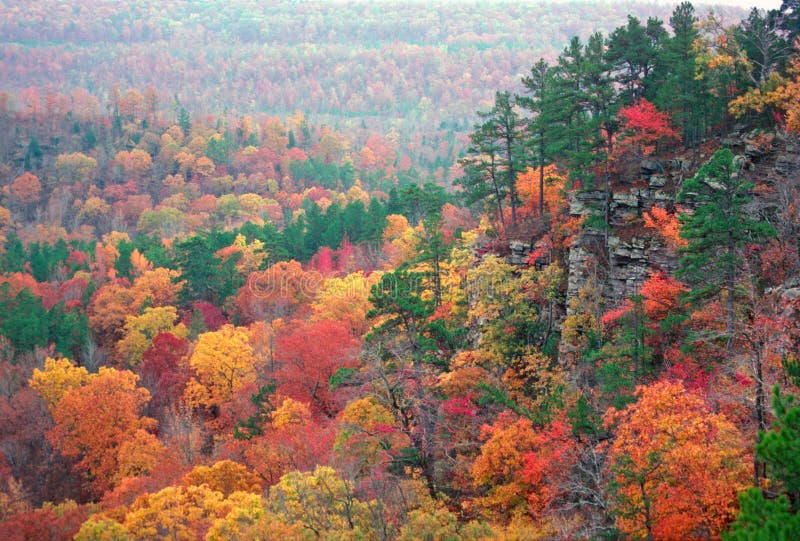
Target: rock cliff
x=621, y=255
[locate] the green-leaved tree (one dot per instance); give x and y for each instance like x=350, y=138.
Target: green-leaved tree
x=717, y=230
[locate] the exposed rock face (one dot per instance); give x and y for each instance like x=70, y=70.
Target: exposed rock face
x=787, y=163
x=623, y=255
x=518, y=252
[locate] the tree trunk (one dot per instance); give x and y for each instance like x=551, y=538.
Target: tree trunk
x=496, y=189
x=512, y=191
x=541, y=175
x=437, y=279
x=761, y=417
x=730, y=284
x=648, y=522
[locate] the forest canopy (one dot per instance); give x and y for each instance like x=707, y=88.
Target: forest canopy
x=399, y=271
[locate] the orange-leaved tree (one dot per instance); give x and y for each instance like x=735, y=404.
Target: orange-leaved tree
x=677, y=466
x=522, y=469
x=529, y=192
x=666, y=225
x=91, y=423
x=291, y=440
x=660, y=295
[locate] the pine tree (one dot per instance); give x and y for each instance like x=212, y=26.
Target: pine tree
x=539, y=101
x=678, y=91
x=766, y=49
x=481, y=180
x=433, y=250
x=602, y=107
x=632, y=51
x=569, y=116
x=790, y=19
x=780, y=447
x=582, y=119
x=776, y=516
x=400, y=297
x=34, y=155
x=717, y=229
x=184, y=120
x=507, y=127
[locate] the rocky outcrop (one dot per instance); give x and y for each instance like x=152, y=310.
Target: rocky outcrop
x=518, y=252
x=787, y=164
x=621, y=255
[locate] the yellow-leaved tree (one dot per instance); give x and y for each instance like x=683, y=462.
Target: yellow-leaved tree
x=226, y=477
x=223, y=362
x=346, y=299
x=140, y=331
x=58, y=377
x=176, y=512
x=323, y=503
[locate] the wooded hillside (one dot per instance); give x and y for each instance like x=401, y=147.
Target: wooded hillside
x=558, y=303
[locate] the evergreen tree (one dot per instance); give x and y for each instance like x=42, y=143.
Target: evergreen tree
x=717, y=229
x=34, y=155
x=316, y=224
x=294, y=239
x=780, y=447
x=632, y=52
x=418, y=203
x=481, y=180
x=37, y=258
x=123, y=265
x=218, y=149
x=760, y=37
x=89, y=139
x=568, y=119
x=774, y=517
x=433, y=250
x=507, y=128
x=393, y=205
x=400, y=297
x=375, y=222
x=789, y=17
x=354, y=221
x=582, y=115
x=184, y=120
x=334, y=231
x=23, y=320
x=539, y=101
x=206, y=278
x=600, y=100
x=13, y=257
x=68, y=330
x=678, y=91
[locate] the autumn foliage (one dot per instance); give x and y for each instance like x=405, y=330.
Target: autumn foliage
x=99, y=424
x=343, y=287
x=644, y=127
x=666, y=226
x=309, y=354
x=679, y=467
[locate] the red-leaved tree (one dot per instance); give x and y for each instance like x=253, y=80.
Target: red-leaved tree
x=309, y=354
